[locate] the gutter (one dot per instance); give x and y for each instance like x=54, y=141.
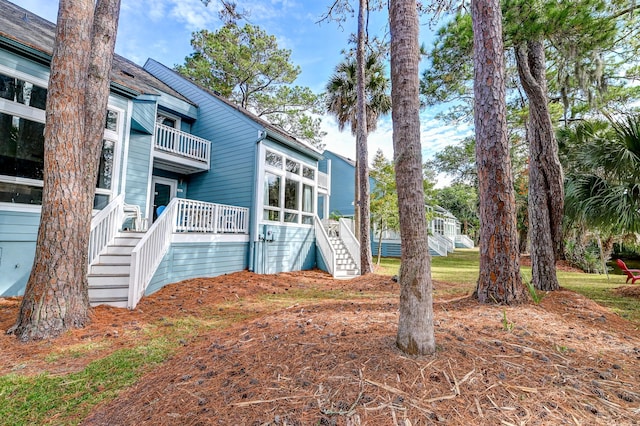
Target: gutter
x=253, y=227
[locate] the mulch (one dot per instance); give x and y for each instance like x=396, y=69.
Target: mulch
x=334, y=362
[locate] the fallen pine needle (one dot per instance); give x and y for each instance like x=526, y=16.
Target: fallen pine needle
x=265, y=401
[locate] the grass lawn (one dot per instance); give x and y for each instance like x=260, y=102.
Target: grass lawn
x=462, y=267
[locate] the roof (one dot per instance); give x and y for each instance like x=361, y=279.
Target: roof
x=33, y=36
x=273, y=131
x=341, y=157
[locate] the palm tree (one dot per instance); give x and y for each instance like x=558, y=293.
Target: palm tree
x=342, y=101
x=603, y=174
x=341, y=93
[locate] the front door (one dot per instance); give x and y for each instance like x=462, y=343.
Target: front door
x=164, y=190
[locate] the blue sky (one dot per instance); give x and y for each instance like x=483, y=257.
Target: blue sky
x=161, y=29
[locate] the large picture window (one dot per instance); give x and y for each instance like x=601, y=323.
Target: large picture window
x=289, y=189
x=22, y=144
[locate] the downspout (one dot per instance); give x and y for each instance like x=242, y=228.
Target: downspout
x=253, y=226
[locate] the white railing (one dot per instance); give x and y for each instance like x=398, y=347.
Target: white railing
x=324, y=182
x=148, y=253
x=464, y=241
x=350, y=241
x=181, y=143
x=104, y=227
x=181, y=215
x=322, y=239
x=440, y=244
x=198, y=216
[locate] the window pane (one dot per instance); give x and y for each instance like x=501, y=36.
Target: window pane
x=307, y=220
x=112, y=120
x=293, y=167
x=100, y=201
x=21, y=147
x=273, y=159
x=307, y=198
x=271, y=215
x=105, y=172
x=291, y=194
x=271, y=190
x=23, y=194
x=22, y=92
x=308, y=172
x=291, y=217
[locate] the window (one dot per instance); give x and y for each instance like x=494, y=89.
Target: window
x=22, y=105
x=22, y=92
x=289, y=189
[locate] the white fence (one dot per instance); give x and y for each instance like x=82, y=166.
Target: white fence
x=181, y=143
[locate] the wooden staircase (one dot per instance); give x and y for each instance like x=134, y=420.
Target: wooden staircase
x=109, y=276
x=345, y=265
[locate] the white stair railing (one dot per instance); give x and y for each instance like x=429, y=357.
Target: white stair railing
x=439, y=244
x=464, y=240
x=350, y=242
x=322, y=239
x=104, y=227
x=148, y=253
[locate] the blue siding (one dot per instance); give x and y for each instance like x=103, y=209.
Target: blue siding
x=18, y=233
x=138, y=169
x=292, y=249
x=143, y=116
x=233, y=139
x=392, y=250
x=192, y=260
x=343, y=184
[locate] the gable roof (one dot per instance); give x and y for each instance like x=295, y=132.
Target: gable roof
x=32, y=36
x=273, y=131
x=349, y=161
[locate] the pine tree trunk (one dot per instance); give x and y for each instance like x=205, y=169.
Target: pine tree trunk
x=499, y=280
x=366, y=261
x=415, y=325
x=56, y=297
x=546, y=190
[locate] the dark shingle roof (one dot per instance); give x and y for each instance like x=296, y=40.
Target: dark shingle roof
x=31, y=34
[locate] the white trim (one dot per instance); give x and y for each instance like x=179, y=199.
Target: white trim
x=22, y=111
x=165, y=114
x=124, y=151
x=150, y=188
x=19, y=207
x=194, y=237
x=173, y=191
x=24, y=76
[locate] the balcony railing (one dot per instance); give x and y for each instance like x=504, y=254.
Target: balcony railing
x=182, y=144
x=324, y=182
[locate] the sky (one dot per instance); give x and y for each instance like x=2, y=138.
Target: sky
x=161, y=29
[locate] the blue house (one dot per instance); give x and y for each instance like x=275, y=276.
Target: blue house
x=190, y=184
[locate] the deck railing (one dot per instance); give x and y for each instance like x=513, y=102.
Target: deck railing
x=198, y=216
x=105, y=226
x=181, y=143
x=324, y=182
x=326, y=249
x=350, y=241
x=181, y=215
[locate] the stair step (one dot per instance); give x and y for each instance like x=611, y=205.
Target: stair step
x=108, y=280
x=118, y=258
x=104, y=293
x=110, y=268
x=116, y=249
x=126, y=241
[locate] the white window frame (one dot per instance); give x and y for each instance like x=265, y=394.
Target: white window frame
x=285, y=175
x=37, y=115
x=163, y=114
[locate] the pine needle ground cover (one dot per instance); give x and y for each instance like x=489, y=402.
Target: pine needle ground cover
x=302, y=348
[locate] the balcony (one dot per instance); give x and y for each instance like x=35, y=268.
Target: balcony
x=179, y=151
